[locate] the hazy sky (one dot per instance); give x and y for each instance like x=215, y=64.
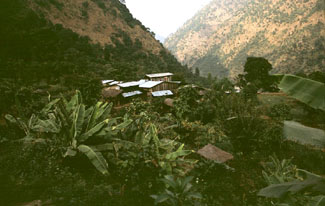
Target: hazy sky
x=164, y=16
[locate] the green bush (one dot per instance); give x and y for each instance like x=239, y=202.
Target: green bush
x=280, y=111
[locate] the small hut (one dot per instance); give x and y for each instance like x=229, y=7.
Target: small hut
x=151, y=86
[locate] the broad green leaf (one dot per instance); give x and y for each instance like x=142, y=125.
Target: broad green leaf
x=88, y=113
x=175, y=155
x=22, y=125
x=97, y=128
x=195, y=195
x=317, y=201
x=107, y=131
x=123, y=125
x=187, y=187
x=63, y=114
x=166, y=166
x=93, y=117
x=140, y=138
x=276, y=191
x=179, y=153
x=96, y=158
x=49, y=106
x=48, y=125
x=312, y=183
x=187, y=180
x=295, y=131
x=167, y=144
x=305, y=90
x=63, y=100
x=154, y=136
x=75, y=100
x=124, y=143
x=11, y=119
x=70, y=152
x=79, y=120
x=160, y=198
x=105, y=111
x=103, y=147
x=169, y=180
x=32, y=121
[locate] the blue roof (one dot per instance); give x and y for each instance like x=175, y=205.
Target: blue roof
x=130, y=94
x=162, y=93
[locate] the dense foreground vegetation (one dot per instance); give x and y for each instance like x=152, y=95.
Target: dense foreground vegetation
x=145, y=154
x=61, y=146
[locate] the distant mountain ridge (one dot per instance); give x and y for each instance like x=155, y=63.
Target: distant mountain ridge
x=218, y=39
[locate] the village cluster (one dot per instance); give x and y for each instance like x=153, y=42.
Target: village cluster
x=154, y=85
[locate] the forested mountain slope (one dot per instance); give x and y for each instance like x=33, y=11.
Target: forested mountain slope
x=71, y=31
x=217, y=40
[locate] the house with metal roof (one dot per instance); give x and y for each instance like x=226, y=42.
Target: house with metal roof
x=153, y=86
x=166, y=77
x=150, y=84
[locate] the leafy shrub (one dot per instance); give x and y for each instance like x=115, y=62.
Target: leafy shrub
x=57, y=4
x=280, y=111
x=85, y=4
x=178, y=192
x=100, y=4
x=46, y=4
x=84, y=14
x=257, y=73
x=186, y=103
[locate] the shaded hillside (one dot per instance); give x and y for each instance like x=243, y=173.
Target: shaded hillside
x=73, y=30
x=217, y=40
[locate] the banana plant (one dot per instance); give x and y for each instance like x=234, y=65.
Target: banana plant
x=35, y=125
x=80, y=124
x=305, y=90
x=311, y=188
x=291, y=186
x=74, y=125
